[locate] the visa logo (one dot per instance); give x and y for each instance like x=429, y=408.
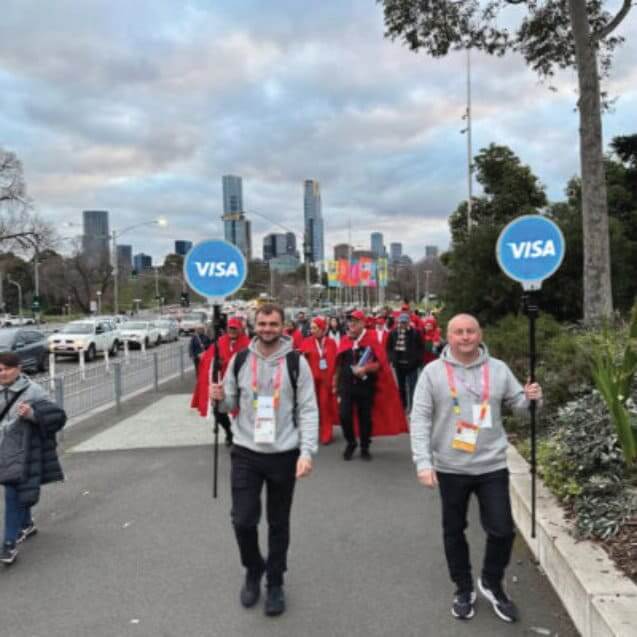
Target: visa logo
x=217, y=268
x=532, y=249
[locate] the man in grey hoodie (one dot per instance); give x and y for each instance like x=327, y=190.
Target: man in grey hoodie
x=273, y=444
x=459, y=444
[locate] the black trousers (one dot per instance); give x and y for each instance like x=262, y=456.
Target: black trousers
x=407, y=379
x=492, y=491
x=249, y=472
x=361, y=401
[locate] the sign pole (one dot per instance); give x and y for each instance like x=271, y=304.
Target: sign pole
x=214, y=376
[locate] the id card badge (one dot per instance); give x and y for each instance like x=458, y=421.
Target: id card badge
x=322, y=364
x=483, y=420
x=466, y=437
x=264, y=424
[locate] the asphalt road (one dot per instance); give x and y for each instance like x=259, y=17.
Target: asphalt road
x=132, y=544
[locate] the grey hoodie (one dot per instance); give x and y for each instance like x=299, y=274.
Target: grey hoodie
x=288, y=436
x=33, y=394
x=433, y=420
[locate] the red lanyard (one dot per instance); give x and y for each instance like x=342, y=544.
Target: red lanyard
x=278, y=376
x=319, y=348
x=454, y=390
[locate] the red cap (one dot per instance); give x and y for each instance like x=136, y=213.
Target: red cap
x=357, y=315
x=320, y=322
x=235, y=322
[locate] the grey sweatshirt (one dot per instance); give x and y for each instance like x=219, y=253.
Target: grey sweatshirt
x=433, y=420
x=33, y=394
x=288, y=436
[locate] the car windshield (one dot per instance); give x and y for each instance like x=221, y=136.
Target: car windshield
x=78, y=328
x=6, y=341
x=132, y=325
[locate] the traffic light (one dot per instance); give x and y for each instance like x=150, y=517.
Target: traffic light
x=35, y=304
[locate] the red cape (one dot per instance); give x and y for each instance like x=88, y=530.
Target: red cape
x=201, y=396
x=388, y=415
x=227, y=349
x=326, y=399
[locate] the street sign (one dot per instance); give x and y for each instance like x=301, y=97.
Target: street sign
x=530, y=249
x=215, y=269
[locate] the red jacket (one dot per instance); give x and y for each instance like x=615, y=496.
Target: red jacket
x=228, y=348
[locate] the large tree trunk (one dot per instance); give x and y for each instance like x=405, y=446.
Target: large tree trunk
x=598, y=299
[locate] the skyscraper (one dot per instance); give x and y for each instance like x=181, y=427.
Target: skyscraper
x=431, y=251
x=313, y=220
x=182, y=247
x=278, y=245
x=236, y=228
x=378, y=248
x=142, y=262
x=395, y=251
x=124, y=258
x=96, y=234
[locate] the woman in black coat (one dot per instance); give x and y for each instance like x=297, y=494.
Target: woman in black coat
x=28, y=450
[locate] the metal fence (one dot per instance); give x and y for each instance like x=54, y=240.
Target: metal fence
x=109, y=382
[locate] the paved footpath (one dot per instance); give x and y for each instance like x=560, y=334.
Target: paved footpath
x=132, y=544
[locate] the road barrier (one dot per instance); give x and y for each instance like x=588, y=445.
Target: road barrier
x=109, y=383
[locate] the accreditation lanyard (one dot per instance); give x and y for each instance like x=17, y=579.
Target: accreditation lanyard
x=278, y=375
x=484, y=405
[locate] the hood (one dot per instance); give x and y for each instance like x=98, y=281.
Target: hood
x=19, y=384
x=285, y=346
x=447, y=356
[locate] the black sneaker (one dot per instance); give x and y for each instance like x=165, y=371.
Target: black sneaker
x=26, y=533
x=274, y=601
x=9, y=553
x=503, y=607
x=349, y=451
x=365, y=455
x=251, y=590
x=463, y=604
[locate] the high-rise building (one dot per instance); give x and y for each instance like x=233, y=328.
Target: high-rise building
x=395, y=251
x=362, y=254
x=313, y=217
x=236, y=228
x=377, y=245
x=290, y=244
x=182, y=247
x=96, y=234
x=142, y=262
x=278, y=244
x=124, y=257
x=431, y=251
x=342, y=251
x=232, y=194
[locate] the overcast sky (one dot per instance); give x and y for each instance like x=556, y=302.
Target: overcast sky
x=140, y=106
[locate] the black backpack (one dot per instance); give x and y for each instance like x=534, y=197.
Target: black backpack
x=291, y=362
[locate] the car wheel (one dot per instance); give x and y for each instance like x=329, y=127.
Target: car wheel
x=146, y=342
x=115, y=349
x=90, y=353
x=158, y=341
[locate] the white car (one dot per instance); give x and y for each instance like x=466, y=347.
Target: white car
x=190, y=321
x=10, y=320
x=168, y=329
x=137, y=333
x=88, y=335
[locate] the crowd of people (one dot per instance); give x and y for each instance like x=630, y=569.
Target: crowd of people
x=292, y=383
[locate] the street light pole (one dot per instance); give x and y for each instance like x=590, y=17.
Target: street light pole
x=427, y=274
x=19, y=295
x=469, y=149
x=308, y=290
x=99, y=301
x=115, y=275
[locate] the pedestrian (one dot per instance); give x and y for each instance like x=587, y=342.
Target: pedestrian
x=381, y=332
x=431, y=339
x=29, y=422
x=369, y=404
x=459, y=444
x=320, y=352
x=405, y=348
x=335, y=329
x=294, y=334
x=199, y=343
x=303, y=325
x=275, y=436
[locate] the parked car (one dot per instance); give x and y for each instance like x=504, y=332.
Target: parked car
x=29, y=344
x=138, y=332
x=168, y=329
x=11, y=320
x=88, y=335
x=189, y=322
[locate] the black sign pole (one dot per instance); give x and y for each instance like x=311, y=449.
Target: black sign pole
x=532, y=311
x=215, y=374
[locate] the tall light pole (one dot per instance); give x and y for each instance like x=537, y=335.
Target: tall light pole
x=19, y=295
x=467, y=130
x=114, y=235
x=427, y=274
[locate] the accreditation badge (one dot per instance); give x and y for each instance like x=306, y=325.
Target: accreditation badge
x=482, y=416
x=466, y=438
x=265, y=424
x=322, y=364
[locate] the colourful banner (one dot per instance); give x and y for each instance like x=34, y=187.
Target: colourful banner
x=382, y=273
x=333, y=274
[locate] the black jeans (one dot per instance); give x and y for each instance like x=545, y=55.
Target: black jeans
x=249, y=471
x=362, y=401
x=492, y=491
x=407, y=379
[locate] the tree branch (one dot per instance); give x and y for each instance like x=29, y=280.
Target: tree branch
x=614, y=23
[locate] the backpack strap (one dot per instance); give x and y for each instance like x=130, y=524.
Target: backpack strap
x=239, y=360
x=292, y=363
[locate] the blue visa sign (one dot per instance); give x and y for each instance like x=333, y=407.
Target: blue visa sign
x=215, y=269
x=530, y=249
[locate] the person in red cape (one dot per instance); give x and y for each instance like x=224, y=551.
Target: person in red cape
x=381, y=332
x=431, y=338
x=320, y=351
x=227, y=346
x=366, y=385
x=294, y=333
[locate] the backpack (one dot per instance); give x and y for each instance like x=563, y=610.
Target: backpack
x=292, y=364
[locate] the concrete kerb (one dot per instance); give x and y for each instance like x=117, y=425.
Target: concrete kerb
x=599, y=598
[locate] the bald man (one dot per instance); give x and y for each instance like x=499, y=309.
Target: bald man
x=459, y=445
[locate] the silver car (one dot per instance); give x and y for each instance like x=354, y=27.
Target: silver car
x=168, y=328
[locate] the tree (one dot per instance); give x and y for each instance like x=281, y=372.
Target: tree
x=554, y=34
